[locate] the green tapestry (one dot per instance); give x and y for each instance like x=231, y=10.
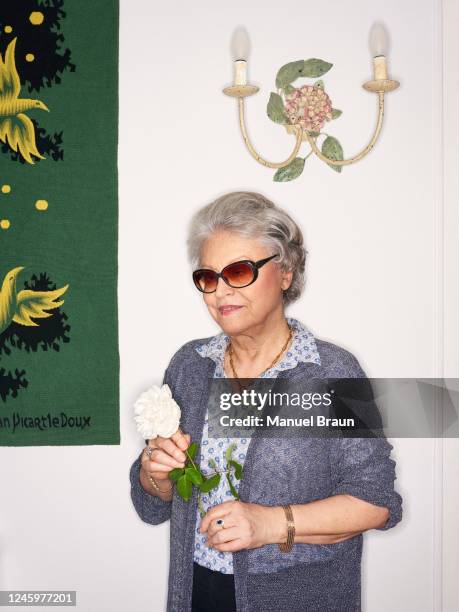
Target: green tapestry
x=59, y=360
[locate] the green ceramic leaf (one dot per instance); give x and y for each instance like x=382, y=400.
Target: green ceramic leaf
x=319, y=84
x=275, y=109
x=194, y=475
x=237, y=468
x=184, y=487
x=314, y=134
x=229, y=451
x=192, y=449
x=332, y=149
x=231, y=486
x=290, y=172
x=288, y=73
x=315, y=68
x=288, y=89
x=175, y=474
x=336, y=113
x=210, y=483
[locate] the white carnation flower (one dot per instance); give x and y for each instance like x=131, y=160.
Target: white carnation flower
x=157, y=413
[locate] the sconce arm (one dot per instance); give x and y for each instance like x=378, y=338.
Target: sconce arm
x=367, y=149
x=253, y=152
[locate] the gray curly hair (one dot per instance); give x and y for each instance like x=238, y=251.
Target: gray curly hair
x=251, y=214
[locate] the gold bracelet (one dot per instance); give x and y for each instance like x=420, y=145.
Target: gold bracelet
x=288, y=545
x=152, y=480
x=155, y=484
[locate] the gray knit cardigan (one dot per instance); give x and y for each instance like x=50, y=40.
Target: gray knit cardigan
x=312, y=577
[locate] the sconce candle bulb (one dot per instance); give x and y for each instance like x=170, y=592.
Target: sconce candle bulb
x=240, y=44
x=240, y=49
x=378, y=39
x=379, y=44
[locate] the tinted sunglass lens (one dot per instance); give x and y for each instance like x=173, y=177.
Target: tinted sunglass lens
x=205, y=280
x=238, y=274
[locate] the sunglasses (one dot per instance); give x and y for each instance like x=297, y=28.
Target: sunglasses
x=237, y=275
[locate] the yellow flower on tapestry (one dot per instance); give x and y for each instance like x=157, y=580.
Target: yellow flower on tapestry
x=309, y=107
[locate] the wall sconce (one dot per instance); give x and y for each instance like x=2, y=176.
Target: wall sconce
x=303, y=111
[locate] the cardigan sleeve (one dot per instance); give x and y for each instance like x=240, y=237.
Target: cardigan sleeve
x=151, y=508
x=363, y=467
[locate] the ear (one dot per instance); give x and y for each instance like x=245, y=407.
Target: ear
x=286, y=279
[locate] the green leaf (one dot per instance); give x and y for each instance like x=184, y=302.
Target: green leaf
x=332, y=149
x=175, y=474
x=194, y=475
x=237, y=468
x=275, y=109
x=319, y=84
x=212, y=463
x=229, y=450
x=290, y=172
x=210, y=483
x=314, y=134
x=336, y=113
x=288, y=89
x=192, y=449
x=184, y=487
x=315, y=68
x=288, y=73
x=231, y=486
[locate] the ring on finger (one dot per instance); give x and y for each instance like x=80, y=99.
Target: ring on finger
x=149, y=450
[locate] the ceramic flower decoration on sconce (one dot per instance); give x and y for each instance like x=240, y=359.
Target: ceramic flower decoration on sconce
x=305, y=110
x=307, y=107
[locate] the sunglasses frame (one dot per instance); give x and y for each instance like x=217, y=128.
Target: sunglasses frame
x=255, y=266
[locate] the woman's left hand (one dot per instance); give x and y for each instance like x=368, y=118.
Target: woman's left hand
x=246, y=525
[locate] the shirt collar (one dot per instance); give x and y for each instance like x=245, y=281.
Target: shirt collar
x=302, y=349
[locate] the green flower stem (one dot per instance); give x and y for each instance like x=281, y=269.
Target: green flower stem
x=192, y=462
x=202, y=512
x=187, y=454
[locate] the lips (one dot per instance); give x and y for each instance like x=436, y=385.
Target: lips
x=228, y=309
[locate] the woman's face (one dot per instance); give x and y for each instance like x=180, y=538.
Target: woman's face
x=252, y=305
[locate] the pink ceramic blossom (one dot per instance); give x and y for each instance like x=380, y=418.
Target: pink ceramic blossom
x=308, y=106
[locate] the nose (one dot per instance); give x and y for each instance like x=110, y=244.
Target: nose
x=223, y=289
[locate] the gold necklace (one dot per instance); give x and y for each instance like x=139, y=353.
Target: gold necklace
x=230, y=352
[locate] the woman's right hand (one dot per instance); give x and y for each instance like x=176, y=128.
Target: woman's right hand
x=170, y=454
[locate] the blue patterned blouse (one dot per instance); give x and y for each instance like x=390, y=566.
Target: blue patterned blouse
x=302, y=348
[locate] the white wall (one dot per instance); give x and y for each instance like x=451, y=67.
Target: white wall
x=377, y=274
x=450, y=449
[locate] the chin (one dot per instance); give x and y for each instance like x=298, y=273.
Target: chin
x=233, y=325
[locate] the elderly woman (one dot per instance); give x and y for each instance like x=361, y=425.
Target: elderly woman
x=292, y=540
